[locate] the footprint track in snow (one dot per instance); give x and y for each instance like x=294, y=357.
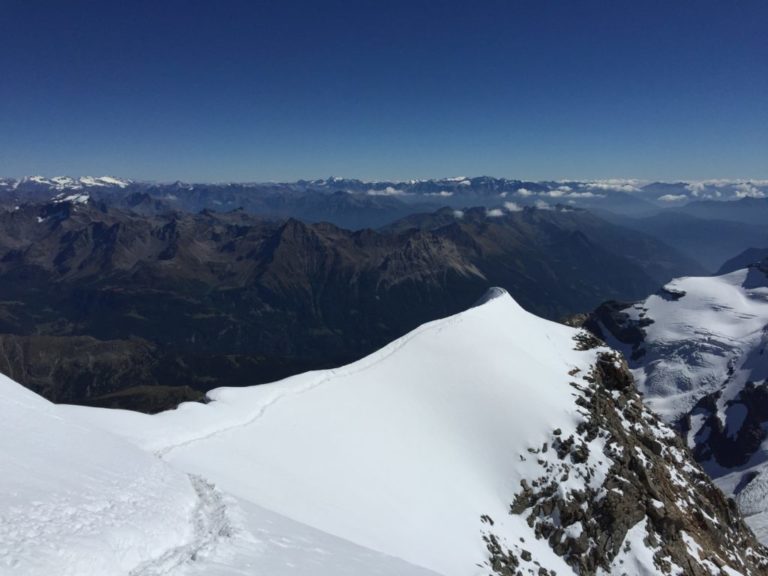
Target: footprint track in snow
x=210, y=524
x=328, y=375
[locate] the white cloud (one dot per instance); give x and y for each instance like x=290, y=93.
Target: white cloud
x=747, y=190
x=388, y=191
x=559, y=192
x=513, y=206
x=728, y=188
x=695, y=188
x=458, y=214
x=541, y=205
x=494, y=213
x=616, y=184
x=585, y=195
x=442, y=194
x=673, y=198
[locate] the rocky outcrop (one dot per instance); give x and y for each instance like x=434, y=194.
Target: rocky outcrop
x=624, y=480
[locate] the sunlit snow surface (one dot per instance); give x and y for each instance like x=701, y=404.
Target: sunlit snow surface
x=701, y=340
x=77, y=500
x=384, y=466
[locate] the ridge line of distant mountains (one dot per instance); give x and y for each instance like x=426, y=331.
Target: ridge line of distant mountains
x=142, y=295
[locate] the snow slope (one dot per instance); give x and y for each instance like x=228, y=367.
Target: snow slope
x=401, y=452
x=702, y=331
x=76, y=500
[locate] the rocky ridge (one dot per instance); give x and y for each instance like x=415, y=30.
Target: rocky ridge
x=624, y=478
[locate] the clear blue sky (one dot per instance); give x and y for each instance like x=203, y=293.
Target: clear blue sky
x=280, y=90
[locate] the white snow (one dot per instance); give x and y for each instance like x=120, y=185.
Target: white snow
x=698, y=343
x=77, y=501
x=635, y=557
x=74, y=198
x=68, y=183
x=401, y=452
x=384, y=466
x=102, y=181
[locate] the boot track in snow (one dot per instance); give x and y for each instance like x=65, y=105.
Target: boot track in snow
x=209, y=525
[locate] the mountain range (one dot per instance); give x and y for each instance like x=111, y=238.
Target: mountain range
x=708, y=221
x=129, y=309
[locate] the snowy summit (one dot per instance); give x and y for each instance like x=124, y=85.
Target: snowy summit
x=487, y=441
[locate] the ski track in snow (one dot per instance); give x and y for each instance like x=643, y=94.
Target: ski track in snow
x=209, y=524
x=328, y=375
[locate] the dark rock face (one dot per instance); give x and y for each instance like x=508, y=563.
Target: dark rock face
x=734, y=449
x=625, y=474
x=231, y=299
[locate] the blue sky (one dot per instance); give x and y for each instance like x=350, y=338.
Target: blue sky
x=281, y=90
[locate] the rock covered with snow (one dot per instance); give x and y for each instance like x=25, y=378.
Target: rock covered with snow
x=697, y=349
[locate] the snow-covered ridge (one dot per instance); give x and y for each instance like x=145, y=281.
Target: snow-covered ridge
x=437, y=454
x=420, y=449
x=69, y=183
x=75, y=500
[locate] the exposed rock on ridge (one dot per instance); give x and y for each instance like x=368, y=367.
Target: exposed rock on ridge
x=624, y=477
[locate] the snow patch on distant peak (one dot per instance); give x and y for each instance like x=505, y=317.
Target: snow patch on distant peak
x=68, y=183
x=79, y=198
